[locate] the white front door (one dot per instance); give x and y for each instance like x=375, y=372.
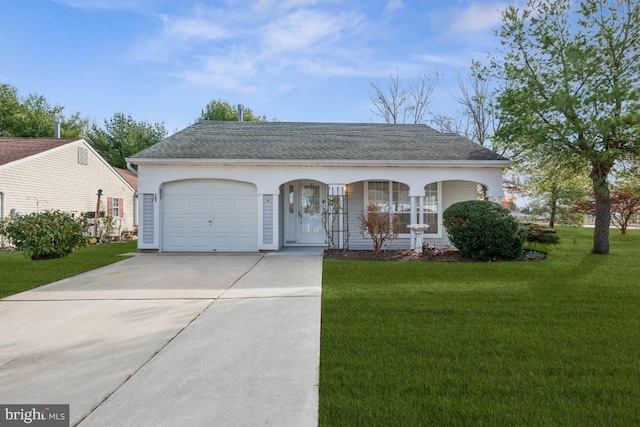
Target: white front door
x=303, y=212
x=310, y=230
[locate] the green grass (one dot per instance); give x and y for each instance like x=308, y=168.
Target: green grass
x=544, y=343
x=19, y=273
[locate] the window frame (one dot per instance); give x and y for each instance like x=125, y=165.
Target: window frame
x=438, y=209
x=391, y=203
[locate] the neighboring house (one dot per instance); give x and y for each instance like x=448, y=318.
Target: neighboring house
x=246, y=187
x=38, y=174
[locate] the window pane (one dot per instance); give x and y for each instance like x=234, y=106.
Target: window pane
x=430, y=214
x=310, y=199
x=378, y=194
x=402, y=205
x=291, y=198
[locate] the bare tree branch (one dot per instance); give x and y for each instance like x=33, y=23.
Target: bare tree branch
x=403, y=103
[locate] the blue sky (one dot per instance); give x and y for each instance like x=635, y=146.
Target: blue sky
x=291, y=60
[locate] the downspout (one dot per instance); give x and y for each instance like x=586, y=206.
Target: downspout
x=1, y=205
x=131, y=169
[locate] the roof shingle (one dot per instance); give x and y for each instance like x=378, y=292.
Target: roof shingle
x=315, y=141
x=12, y=149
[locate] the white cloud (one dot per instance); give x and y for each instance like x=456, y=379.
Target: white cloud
x=193, y=29
x=393, y=5
x=306, y=29
x=248, y=51
x=476, y=17
x=451, y=60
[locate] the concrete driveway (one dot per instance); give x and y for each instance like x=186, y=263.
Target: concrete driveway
x=162, y=340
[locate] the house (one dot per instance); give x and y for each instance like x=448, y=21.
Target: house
x=38, y=174
x=246, y=187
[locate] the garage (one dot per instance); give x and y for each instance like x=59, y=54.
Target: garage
x=209, y=216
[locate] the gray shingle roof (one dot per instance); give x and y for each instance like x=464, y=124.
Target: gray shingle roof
x=315, y=141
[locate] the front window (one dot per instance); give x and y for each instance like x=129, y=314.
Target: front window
x=430, y=213
x=393, y=198
x=115, y=207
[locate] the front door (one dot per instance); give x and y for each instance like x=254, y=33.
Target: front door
x=303, y=213
x=310, y=198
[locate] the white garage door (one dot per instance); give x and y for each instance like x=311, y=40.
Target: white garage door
x=209, y=216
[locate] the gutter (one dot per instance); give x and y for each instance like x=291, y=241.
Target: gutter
x=321, y=163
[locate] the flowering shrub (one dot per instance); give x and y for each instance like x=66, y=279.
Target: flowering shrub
x=379, y=226
x=45, y=235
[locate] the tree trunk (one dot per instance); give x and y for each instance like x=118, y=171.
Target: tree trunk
x=599, y=175
x=553, y=204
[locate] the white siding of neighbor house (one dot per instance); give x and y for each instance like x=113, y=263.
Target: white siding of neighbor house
x=59, y=181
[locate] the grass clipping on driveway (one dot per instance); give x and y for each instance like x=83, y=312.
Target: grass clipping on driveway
x=553, y=342
x=19, y=273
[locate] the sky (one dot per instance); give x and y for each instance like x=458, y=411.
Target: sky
x=289, y=60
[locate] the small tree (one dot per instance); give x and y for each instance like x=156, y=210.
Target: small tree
x=220, y=110
x=45, y=235
x=625, y=204
x=379, y=226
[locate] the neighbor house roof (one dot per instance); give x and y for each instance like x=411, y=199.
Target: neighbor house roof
x=127, y=175
x=12, y=149
x=315, y=141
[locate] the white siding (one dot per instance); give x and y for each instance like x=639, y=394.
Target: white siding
x=457, y=191
x=58, y=181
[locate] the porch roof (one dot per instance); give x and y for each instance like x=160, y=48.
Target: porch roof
x=315, y=141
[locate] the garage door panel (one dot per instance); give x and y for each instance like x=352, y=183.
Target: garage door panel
x=209, y=216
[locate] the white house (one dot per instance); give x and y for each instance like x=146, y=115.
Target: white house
x=246, y=187
x=38, y=174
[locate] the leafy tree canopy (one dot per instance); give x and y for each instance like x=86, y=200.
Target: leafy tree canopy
x=571, y=74
x=122, y=137
x=33, y=116
x=220, y=110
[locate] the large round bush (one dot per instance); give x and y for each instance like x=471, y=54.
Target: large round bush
x=484, y=230
x=45, y=235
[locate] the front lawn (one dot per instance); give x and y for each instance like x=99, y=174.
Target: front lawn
x=544, y=343
x=19, y=273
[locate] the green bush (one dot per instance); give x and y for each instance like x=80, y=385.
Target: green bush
x=484, y=230
x=541, y=234
x=46, y=235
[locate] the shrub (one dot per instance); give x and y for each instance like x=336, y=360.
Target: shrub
x=45, y=235
x=541, y=234
x=484, y=230
x=380, y=226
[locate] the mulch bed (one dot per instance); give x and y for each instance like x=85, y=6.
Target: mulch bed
x=448, y=255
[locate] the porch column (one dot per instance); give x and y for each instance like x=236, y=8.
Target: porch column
x=421, y=210
x=413, y=218
x=337, y=192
